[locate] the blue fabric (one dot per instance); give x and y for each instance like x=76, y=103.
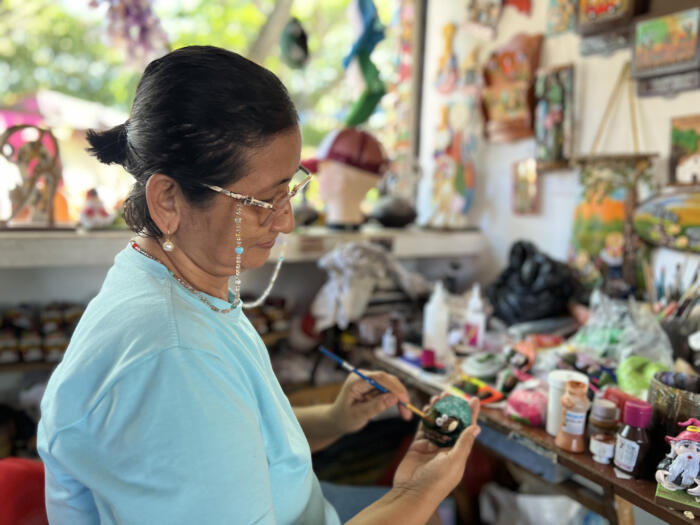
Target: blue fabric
x=164, y=411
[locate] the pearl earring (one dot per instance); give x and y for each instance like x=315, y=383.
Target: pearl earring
x=168, y=244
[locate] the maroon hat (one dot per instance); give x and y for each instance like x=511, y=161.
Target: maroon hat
x=691, y=433
x=353, y=147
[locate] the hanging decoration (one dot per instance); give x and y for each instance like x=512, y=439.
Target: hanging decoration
x=453, y=177
x=482, y=18
x=372, y=32
x=554, y=117
x=508, y=96
x=684, y=159
x=134, y=25
x=605, y=24
x=470, y=76
x=447, y=65
x=561, y=16
x=34, y=151
x=605, y=245
x=294, y=45
x=666, y=54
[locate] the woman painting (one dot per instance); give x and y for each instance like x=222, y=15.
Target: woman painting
x=165, y=408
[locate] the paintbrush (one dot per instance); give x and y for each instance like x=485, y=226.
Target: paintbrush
x=347, y=366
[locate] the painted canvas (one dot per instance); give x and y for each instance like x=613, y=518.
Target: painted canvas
x=483, y=16
x=526, y=195
x=685, y=150
x=666, y=44
x=561, y=16
x=671, y=220
x=598, y=11
x=554, y=117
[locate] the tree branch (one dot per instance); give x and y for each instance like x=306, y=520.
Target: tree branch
x=270, y=32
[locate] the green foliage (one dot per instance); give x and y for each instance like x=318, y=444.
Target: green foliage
x=60, y=46
x=687, y=139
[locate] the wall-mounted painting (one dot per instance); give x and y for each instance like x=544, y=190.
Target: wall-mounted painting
x=554, y=117
x=666, y=56
x=604, y=24
x=685, y=150
x=482, y=18
x=561, y=16
x=671, y=219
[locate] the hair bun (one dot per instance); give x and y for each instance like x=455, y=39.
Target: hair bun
x=108, y=146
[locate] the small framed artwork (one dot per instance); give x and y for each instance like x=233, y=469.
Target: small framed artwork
x=684, y=160
x=666, y=53
x=561, y=16
x=554, y=117
x=601, y=16
x=526, y=190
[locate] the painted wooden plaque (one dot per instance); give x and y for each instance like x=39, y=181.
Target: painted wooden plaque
x=671, y=219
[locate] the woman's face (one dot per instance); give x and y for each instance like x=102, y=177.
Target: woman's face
x=209, y=231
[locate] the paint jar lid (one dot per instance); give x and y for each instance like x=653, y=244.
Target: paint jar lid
x=604, y=410
x=637, y=414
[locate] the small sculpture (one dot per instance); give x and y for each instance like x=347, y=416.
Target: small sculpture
x=94, y=214
x=40, y=169
x=680, y=469
x=450, y=416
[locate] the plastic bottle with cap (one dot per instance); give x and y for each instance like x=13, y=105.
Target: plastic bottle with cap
x=633, y=441
x=557, y=380
x=436, y=325
x=602, y=429
x=475, y=319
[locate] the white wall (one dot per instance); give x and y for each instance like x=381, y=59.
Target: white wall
x=595, y=78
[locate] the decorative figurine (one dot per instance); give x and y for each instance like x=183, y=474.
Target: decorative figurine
x=666, y=53
x=508, y=96
x=447, y=65
x=680, y=469
x=450, y=416
x=94, y=214
x=554, y=117
x=349, y=163
x=39, y=166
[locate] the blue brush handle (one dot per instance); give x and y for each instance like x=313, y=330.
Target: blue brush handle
x=347, y=366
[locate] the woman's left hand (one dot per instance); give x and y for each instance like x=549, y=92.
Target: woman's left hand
x=358, y=401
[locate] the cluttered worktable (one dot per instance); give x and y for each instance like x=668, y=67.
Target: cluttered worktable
x=503, y=435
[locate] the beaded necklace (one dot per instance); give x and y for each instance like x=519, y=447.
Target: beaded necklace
x=187, y=286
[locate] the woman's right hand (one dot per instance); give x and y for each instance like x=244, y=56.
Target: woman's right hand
x=431, y=471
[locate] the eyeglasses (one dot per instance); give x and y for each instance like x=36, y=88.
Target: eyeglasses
x=279, y=204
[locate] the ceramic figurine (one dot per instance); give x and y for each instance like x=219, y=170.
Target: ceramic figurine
x=450, y=416
x=447, y=66
x=349, y=163
x=94, y=214
x=680, y=469
x=39, y=165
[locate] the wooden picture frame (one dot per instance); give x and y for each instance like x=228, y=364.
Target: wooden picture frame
x=666, y=53
x=602, y=16
x=684, y=159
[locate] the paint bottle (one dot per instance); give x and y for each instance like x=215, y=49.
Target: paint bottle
x=575, y=406
x=557, y=384
x=633, y=442
x=475, y=319
x=389, y=342
x=602, y=429
x=436, y=325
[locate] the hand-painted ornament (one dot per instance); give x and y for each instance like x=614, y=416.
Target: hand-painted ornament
x=450, y=416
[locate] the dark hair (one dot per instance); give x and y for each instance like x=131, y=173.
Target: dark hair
x=196, y=114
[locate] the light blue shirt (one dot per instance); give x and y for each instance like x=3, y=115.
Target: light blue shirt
x=164, y=411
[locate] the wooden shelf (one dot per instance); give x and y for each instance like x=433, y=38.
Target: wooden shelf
x=27, y=367
x=46, y=249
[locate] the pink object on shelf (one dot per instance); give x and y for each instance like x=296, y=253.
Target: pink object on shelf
x=527, y=406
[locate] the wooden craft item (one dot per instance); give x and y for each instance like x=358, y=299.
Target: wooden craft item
x=447, y=65
x=508, y=98
x=39, y=165
x=605, y=24
x=554, y=117
x=671, y=219
x=666, y=53
x=684, y=160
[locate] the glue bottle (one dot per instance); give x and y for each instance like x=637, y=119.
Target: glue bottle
x=475, y=319
x=436, y=325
